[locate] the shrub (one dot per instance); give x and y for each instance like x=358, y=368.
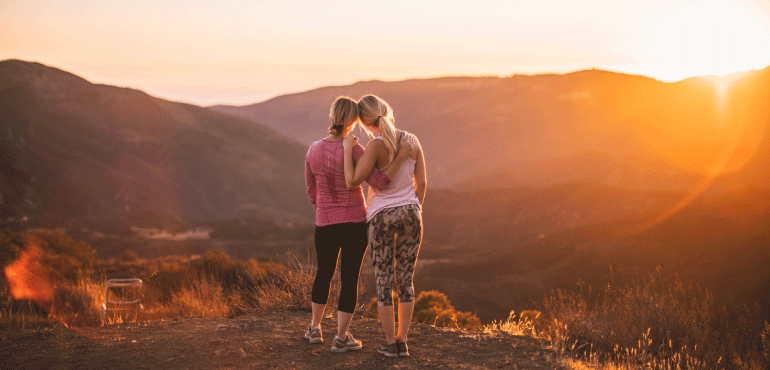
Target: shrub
x=433, y=307
x=79, y=255
x=11, y=244
x=129, y=256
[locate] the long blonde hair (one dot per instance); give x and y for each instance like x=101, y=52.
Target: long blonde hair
x=344, y=114
x=373, y=111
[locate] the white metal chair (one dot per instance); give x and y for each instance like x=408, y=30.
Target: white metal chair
x=122, y=297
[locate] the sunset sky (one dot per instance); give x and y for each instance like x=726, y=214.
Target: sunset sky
x=241, y=52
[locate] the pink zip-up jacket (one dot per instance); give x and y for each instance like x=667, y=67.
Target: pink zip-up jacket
x=325, y=180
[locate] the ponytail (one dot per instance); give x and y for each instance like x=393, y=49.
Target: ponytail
x=373, y=111
x=388, y=133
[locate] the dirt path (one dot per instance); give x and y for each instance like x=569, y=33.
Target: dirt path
x=271, y=341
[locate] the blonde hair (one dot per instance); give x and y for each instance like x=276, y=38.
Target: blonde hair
x=344, y=114
x=373, y=111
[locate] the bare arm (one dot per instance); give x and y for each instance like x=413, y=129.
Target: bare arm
x=420, y=178
x=355, y=174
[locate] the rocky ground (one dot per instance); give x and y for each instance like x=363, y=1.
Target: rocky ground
x=270, y=341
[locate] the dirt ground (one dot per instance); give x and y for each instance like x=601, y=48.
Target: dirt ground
x=270, y=341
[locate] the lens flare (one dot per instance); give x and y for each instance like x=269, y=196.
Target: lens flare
x=28, y=278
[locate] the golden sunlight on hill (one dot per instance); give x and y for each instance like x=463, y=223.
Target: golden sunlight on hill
x=734, y=120
x=711, y=125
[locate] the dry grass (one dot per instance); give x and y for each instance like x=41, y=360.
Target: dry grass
x=653, y=324
x=78, y=303
x=200, y=296
x=285, y=289
x=528, y=322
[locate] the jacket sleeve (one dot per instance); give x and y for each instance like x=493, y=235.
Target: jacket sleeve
x=312, y=191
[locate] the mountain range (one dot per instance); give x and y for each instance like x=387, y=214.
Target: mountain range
x=594, y=126
x=117, y=157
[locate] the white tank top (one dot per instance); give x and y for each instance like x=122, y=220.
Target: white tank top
x=401, y=190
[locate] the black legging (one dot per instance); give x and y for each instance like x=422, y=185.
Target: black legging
x=351, y=239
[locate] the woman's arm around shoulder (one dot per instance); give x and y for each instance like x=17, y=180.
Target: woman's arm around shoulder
x=381, y=180
x=356, y=173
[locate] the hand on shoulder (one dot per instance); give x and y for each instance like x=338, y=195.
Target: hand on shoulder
x=408, y=147
x=349, y=142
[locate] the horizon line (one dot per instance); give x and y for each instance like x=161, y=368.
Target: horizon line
x=396, y=80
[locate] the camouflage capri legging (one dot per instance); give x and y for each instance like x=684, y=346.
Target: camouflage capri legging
x=399, y=227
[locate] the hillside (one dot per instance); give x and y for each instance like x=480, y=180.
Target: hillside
x=595, y=126
x=271, y=341
x=109, y=158
x=720, y=243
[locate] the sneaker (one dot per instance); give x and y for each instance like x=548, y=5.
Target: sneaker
x=389, y=350
x=403, y=350
x=349, y=344
x=314, y=335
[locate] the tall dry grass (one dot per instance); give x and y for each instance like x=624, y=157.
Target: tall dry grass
x=285, y=288
x=654, y=324
x=528, y=322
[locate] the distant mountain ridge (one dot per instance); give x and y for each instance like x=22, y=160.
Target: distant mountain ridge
x=116, y=156
x=621, y=130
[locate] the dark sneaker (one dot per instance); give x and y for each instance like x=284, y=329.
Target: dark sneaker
x=349, y=344
x=403, y=350
x=314, y=335
x=389, y=350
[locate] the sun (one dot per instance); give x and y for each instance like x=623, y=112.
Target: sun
x=712, y=37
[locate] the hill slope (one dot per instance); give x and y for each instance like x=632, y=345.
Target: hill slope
x=73, y=150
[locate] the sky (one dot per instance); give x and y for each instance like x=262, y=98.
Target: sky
x=243, y=52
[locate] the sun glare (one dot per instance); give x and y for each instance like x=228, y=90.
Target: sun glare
x=716, y=37
x=26, y=278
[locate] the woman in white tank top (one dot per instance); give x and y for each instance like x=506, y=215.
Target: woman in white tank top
x=394, y=215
